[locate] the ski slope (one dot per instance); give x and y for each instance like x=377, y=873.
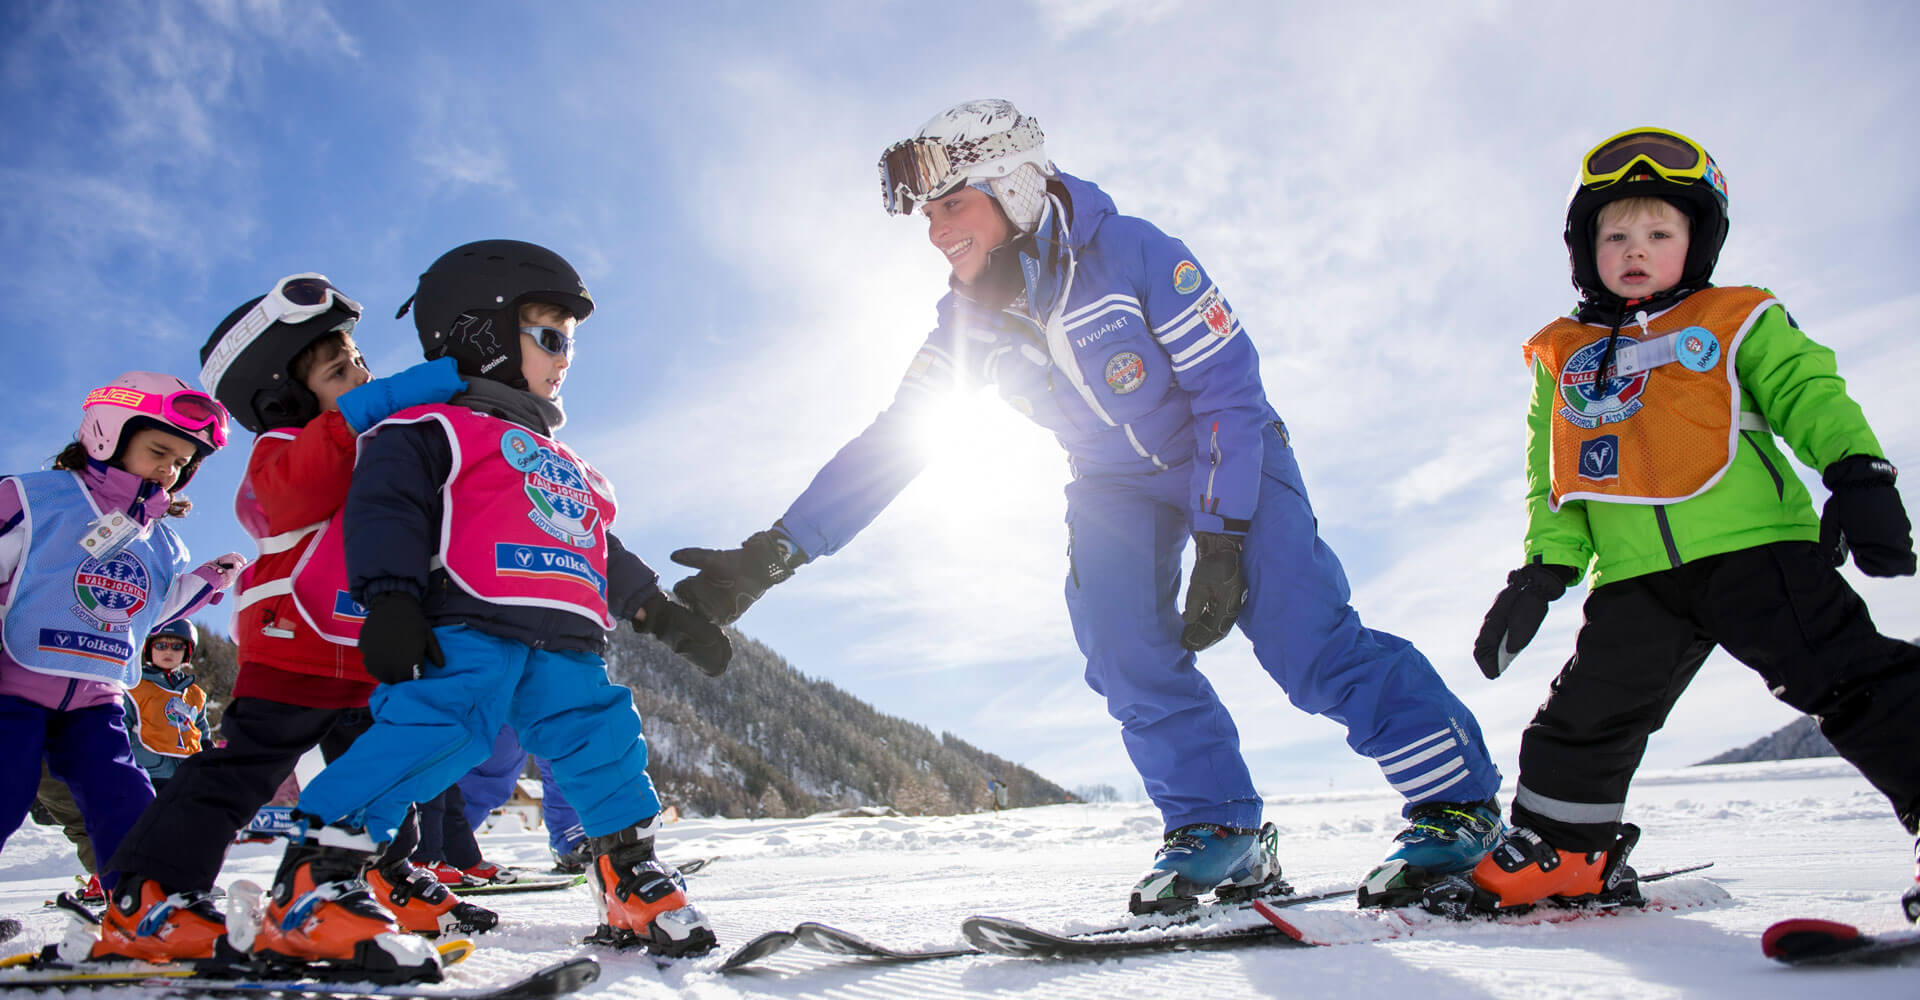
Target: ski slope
x=1798, y=838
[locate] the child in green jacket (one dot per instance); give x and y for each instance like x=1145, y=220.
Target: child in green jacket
x=1653, y=464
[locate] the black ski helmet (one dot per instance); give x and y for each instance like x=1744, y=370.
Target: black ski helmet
x=182, y=629
x=468, y=304
x=258, y=386
x=1703, y=199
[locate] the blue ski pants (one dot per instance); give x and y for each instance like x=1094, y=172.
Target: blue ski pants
x=429, y=732
x=490, y=784
x=1126, y=536
x=88, y=750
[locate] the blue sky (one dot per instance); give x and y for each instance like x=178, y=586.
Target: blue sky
x=1379, y=190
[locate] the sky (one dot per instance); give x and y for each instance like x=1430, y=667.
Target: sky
x=1379, y=189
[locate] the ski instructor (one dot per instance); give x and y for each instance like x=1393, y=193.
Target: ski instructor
x=1107, y=332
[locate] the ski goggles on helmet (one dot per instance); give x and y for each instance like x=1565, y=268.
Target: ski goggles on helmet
x=295, y=298
x=1672, y=156
x=188, y=409
x=551, y=339
x=913, y=171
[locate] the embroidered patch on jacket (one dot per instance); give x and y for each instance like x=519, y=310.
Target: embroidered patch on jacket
x=1600, y=458
x=1186, y=277
x=1219, y=319
x=1591, y=400
x=111, y=591
x=1126, y=372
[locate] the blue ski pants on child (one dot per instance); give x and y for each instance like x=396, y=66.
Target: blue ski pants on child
x=490, y=784
x=86, y=748
x=1126, y=535
x=429, y=732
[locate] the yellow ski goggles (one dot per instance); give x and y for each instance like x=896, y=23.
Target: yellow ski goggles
x=1672, y=156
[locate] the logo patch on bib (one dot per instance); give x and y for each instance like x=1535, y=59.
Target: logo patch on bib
x=1600, y=458
x=1591, y=400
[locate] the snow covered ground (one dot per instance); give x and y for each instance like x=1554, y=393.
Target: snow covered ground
x=1790, y=839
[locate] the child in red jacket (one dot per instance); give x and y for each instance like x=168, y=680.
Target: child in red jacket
x=287, y=367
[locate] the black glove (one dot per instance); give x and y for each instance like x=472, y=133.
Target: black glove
x=395, y=641
x=1517, y=613
x=1216, y=592
x=686, y=633
x=1865, y=514
x=730, y=580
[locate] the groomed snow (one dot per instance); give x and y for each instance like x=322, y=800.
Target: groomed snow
x=1800, y=838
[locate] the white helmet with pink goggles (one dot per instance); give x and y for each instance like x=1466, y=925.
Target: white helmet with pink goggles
x=150, y=399
x=986, y=143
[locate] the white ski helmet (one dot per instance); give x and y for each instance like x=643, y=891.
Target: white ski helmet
x=989, y=144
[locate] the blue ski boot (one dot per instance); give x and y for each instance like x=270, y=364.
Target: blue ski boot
x=1233, y=864
x=1441, y=839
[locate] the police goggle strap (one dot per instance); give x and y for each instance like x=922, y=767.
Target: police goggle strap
x=295, y=298
x=1672, y=156
x=918, y=169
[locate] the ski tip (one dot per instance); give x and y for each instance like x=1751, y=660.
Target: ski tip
x=561, y=978
x=72, y=905
x=455, y=951
x=757, y=949
x=1801, y=938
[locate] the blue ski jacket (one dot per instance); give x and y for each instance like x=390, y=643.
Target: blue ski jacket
x=1119, y=343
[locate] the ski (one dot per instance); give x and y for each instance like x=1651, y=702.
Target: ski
x=519, y=885
x=552, y=981
x=1826, y=942
x=846, y=944
x=834, y=941
x=1329, y=927
x=763, y=945
x=694, y=865
x=1231, y=929
x=1005, y=936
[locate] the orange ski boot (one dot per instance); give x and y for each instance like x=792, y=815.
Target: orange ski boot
x=1524, y=869
x=322, y=920
x=144, y=921
x=425, y=906
x=643, y=902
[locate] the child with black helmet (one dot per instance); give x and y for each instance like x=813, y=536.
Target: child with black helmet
x=479, y=545
x=167, y=711
x=287, y=365
x=88, y=567
x=1653, y=466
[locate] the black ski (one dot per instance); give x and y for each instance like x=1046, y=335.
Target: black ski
x=694, y=865
x=1826, y=942
x=1005, y=936
x=846, y=944
x=519, y=885
x=770, y=943
x=552, y=981
x=1011, y=937
x=834, y=941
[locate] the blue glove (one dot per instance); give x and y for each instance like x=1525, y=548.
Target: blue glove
x=426, y=382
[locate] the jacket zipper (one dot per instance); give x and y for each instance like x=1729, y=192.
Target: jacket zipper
x=1779, y=485
x=1666, y=535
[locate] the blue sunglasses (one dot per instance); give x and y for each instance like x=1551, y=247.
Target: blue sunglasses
x=551, y=339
